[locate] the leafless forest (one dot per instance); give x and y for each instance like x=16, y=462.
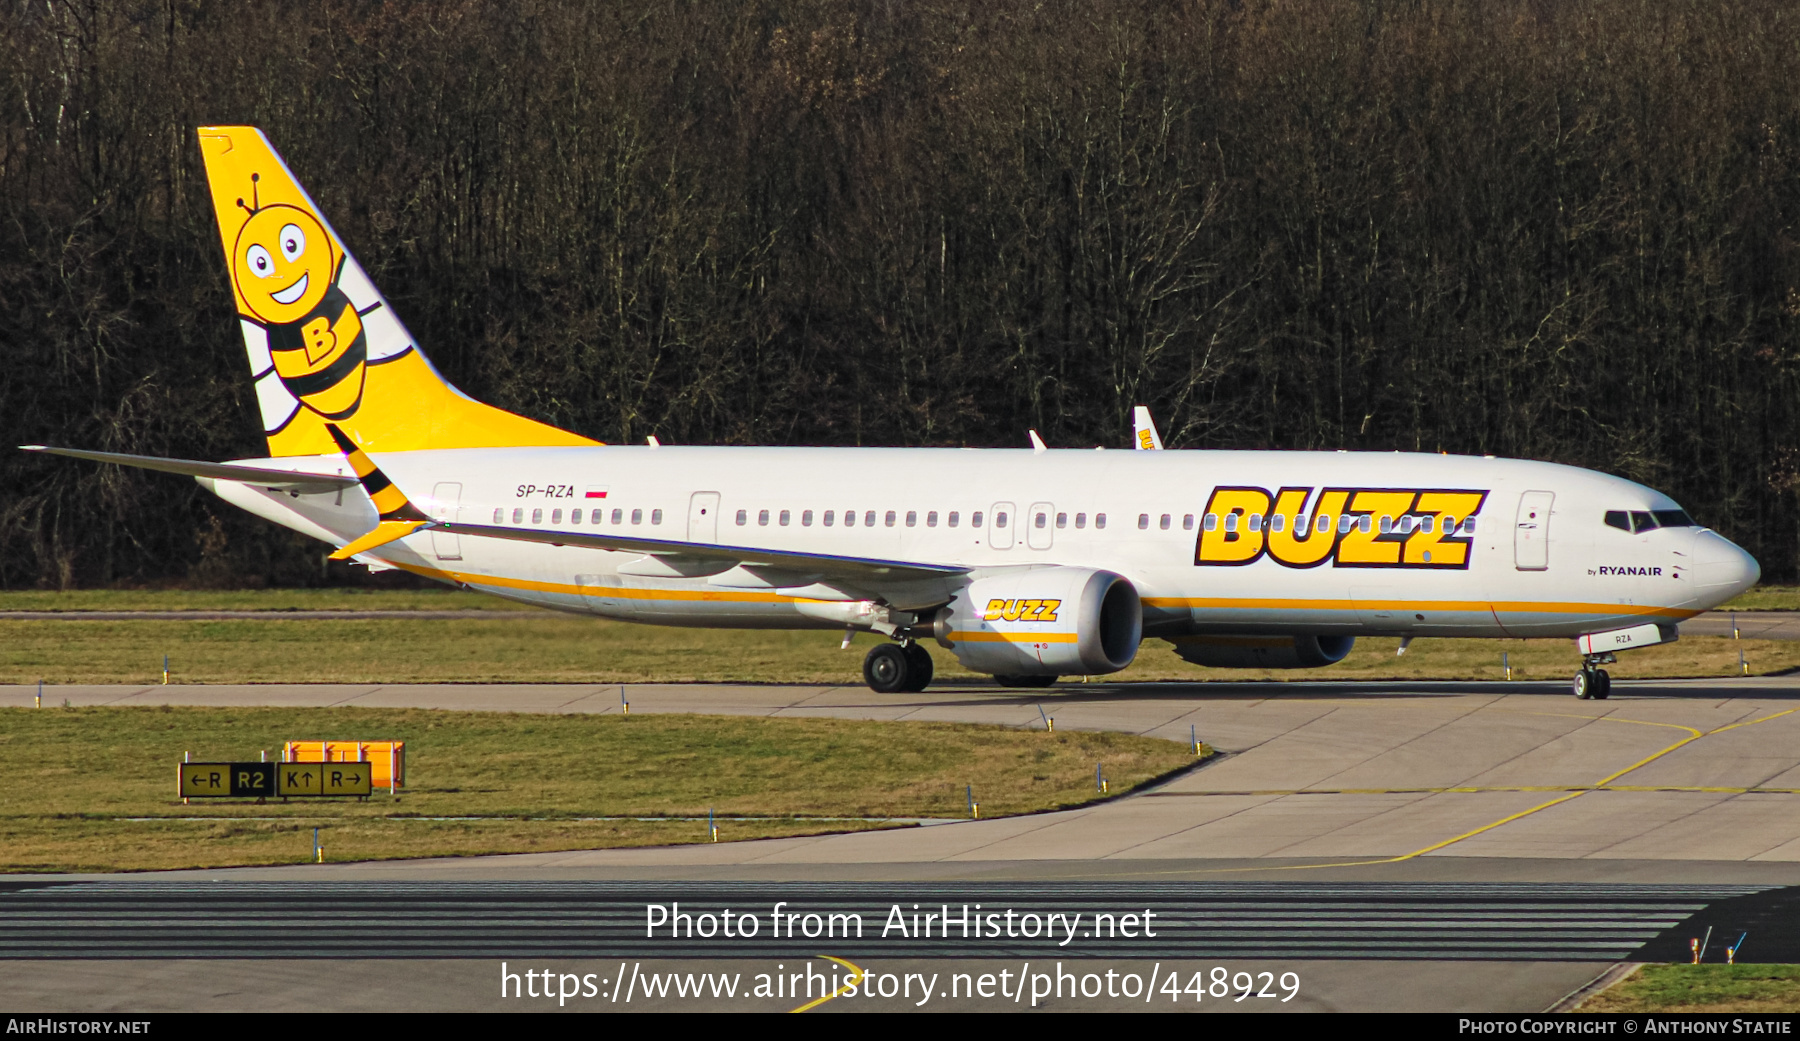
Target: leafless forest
x=1557, y=229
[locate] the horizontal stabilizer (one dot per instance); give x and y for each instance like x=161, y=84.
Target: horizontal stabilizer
x=385, y=532
x=262, y=477
x=810, y=563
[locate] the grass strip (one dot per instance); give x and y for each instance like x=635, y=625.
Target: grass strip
x=1702, y=988
x=93, y=789
x=546, y=647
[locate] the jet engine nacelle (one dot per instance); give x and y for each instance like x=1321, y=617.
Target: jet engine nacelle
x=1057, y=621
x=1263, y=652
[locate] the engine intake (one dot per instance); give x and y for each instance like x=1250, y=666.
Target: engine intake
x=1263, y=652
x=1058, y=621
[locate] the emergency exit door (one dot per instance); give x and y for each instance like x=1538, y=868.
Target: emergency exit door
x=1531, y=533
x=703, y=517
x=446, y=499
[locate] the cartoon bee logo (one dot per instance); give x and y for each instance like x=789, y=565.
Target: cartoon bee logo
x=286, y=268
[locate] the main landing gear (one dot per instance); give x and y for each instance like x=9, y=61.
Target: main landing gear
x=897, y=668
x=1592, y=681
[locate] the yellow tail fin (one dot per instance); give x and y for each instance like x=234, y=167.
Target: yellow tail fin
x=324, y=344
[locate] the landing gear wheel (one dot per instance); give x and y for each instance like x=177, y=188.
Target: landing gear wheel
x=919, y=667
x=1024, y=681
x=887, y=670
x=1602, y=684
x=1585, y=684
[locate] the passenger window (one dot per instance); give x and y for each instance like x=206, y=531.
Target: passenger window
x=618, y=516
x=849, y=518
x=931, y=519
x=1081, y=520
x=1642, y=521
x=743, y=517
x=637, y=516
x=1042, y=520
x=762, y=518
x=783, y=519
x=912, y=518
x=1366, y=524
x=952, y=518
x=1210, y=522
x=1187, y=522
x=1468, y=526
x=1277, y=522
x=1673, y=518
x=1426, y=524
x=1618, y=519
x=1256, y=522
x=574, y=516
x=1062, y=520
x=1324, y=523
x=500, y=515
x=656, y=516
x=1143, y=522
x=869, y=518
x=1230, y=522
x=1301, y=523
x=1387, y=525
x=537, y=516
x=889, y=519
x=806, y=518
x=1099, y=520
x=518, y=515
x=556, y=516
x=829, y=514
x=1000, y=519
x=974, y=519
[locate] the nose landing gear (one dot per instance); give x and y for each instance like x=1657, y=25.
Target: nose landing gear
x=1593, y=681
x=897, y=668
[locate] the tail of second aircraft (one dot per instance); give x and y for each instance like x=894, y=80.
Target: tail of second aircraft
x=325, y=347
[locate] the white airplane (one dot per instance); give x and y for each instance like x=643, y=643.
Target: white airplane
x=1026, y=564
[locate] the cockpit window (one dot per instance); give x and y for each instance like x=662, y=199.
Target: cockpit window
x=1638, y=521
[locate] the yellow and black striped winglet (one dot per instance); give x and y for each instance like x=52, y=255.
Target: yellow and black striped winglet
x=389, y=500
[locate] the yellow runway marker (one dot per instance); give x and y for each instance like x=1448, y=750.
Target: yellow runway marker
x=855, y=975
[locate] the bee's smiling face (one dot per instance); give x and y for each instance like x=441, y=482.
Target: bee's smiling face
x=282, y=263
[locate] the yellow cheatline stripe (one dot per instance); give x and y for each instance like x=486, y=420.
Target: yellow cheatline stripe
x=503, y=582
x=1501, y=606
x=382, y=534
x=856, y=974
x=980, y=637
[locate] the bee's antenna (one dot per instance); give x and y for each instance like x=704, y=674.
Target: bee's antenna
x=255, y=203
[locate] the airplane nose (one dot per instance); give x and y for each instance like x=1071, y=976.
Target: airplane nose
x=1722, y=570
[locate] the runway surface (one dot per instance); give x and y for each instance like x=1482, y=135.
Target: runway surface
x=1669, y=783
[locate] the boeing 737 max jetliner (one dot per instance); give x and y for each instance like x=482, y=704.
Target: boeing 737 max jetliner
x=1026, y=564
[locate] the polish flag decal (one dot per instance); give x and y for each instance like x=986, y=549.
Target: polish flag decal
x=596, y=491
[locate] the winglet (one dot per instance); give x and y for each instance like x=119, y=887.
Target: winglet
x=399, y=517
x=1037, y=443
x=1145, y=430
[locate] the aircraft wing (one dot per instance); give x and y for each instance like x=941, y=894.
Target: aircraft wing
x=263, y=477
x=825, y=565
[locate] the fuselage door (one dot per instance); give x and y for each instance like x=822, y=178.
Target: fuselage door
x=703, y=517
x=446, y=498
x=1531, y=535
x=1040, y=525
x=1000, y=525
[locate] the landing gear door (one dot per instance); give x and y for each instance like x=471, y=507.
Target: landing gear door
x=1000, y=525
x=703, y=517
x=446, y=498
x=1531, y=533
